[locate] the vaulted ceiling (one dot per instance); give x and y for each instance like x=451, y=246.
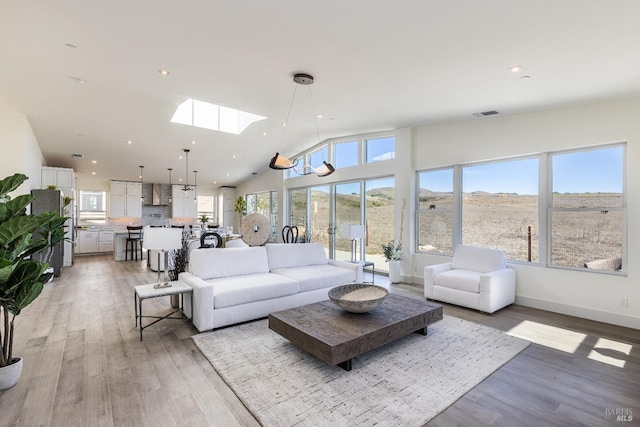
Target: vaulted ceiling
x=86, y=73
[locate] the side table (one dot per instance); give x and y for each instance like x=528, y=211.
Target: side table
x=366, y=264
x=143, y=292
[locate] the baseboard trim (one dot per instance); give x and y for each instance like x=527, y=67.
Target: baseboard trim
x=583, y=312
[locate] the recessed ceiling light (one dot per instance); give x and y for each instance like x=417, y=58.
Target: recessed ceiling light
x=180, y=180
x=264, y=134
x=93, y=173
x=233, y=156
x=215, y=182
x=319, y=116
x=94, y=161
x=193, y=142
x=164, y=72
x=129, y=142
x=228, y=174
x=180, y=157
x=516, y=68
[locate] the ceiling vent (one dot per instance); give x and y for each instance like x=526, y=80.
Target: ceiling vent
x=77, y=156
x=486, y=113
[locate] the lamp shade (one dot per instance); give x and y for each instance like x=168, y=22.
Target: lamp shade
x=353, y=231
x=162, y=238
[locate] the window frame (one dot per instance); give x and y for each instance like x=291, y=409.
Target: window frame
x=550, y=209
x=545, y=207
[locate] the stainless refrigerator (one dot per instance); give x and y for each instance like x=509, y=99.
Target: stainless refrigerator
x=50, y=201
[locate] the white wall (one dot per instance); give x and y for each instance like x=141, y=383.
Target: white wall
x=20, y=150
x=585, y=294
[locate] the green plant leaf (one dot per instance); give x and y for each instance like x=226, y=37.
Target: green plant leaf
x=15, y=207
x=10, y=183
x=17, y=227
x=26, y=283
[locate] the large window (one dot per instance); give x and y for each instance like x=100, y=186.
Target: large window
x=497, y=204
x=380, y=149
x=500, y=207
x=315, y=158
x=93, y=206
x=435, y=211
x=265, y=203
x=587, y=213
x=346, y=154
x=206, y=207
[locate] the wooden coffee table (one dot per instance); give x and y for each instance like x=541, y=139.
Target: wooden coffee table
x=336, y=336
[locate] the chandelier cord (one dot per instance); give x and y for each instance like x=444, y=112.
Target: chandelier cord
x=286, y=123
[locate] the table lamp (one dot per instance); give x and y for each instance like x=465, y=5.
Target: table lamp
x=162, y=240
x=353, y=232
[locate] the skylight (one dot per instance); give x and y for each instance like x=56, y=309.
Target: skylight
x=215, y=117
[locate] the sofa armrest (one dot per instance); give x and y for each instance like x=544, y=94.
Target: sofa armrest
x=430, y=272
x=202, y=311
x=497, y=289
x=356, y=267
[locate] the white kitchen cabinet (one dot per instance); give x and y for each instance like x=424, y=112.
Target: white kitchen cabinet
x=183, y=205
x=60, y=177
x=94, y=241
x=87, y=241
x=125, y=200
x=105, y=241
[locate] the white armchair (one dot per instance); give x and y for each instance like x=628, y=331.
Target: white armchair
x=476, y=278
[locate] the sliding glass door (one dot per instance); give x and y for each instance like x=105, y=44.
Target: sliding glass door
x=320, y=216
x=321, y=212
x=348, y=211
x=379, y=227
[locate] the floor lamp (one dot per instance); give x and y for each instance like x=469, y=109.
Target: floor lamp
x=353, y=232
x=162, y=240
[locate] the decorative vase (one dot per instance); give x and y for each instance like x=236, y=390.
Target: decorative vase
x=9, y=375
x=394, y=271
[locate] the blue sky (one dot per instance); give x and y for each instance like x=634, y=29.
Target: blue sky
x=578, y=172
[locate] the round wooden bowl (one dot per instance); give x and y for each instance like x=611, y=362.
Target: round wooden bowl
x=358, y=297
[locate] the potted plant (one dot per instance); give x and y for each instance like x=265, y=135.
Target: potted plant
x=241, y=209
x=203, y=220
x=22, y=277
x=393, y=255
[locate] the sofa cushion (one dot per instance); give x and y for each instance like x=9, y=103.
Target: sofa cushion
x=483, y=260
x=462, y=280
x=288, y=255
x=318, y=276
x=217, y=263
x=231, y=291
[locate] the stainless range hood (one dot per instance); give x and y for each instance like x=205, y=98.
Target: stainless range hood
x=156, y=194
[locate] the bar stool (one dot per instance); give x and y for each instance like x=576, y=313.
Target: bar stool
x=134, y=238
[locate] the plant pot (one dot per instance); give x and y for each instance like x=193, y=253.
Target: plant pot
x=9, y=375
x=394, y=271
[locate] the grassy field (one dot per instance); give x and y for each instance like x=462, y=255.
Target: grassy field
x=505, y=221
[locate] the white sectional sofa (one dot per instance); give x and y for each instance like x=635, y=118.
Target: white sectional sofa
x=233, y=285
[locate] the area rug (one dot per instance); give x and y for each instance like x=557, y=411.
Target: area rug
x=404, y=383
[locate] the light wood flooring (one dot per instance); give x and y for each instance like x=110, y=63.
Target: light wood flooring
x=85, y=366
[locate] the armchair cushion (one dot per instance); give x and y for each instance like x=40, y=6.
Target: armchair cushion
x=478, y=259
x=462, y=280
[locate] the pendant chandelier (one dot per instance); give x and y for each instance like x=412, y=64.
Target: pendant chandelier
x=195, y=185
x=279, y=162
x=186, y=187
x=141, y=182
x=170, y=186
